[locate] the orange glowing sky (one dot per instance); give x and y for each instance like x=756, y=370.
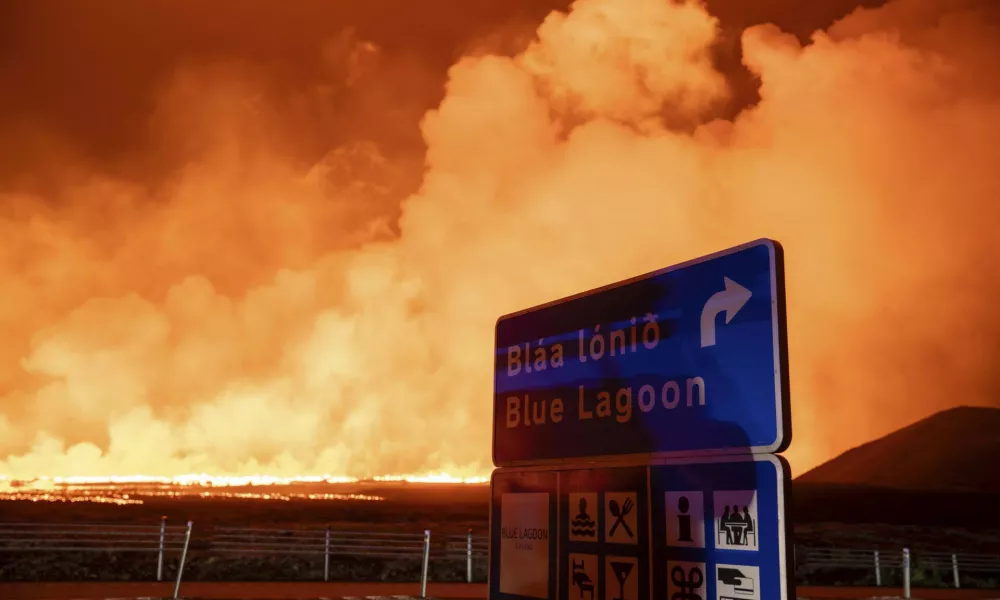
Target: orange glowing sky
x=243, y=238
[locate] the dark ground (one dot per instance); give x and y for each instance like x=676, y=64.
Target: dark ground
x=823, y=516
x=312, y=591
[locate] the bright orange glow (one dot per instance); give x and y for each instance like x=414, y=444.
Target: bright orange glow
x=133, y=489
x=279, y=304
x=106, y=496
x=197, y=479
x=122, y=500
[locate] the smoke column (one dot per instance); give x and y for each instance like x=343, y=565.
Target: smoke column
x=255, y=309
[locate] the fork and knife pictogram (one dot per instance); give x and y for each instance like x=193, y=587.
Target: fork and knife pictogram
x=619, y=512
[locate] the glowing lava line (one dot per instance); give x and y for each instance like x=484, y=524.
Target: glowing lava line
x=131, y=489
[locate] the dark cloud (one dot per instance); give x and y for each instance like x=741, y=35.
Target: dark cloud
x=86, y=76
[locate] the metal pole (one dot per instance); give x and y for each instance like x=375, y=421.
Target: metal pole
x=427, y=558
x=468, y=558
x=159, y=561
x=878, y=571
x=180, y=567
x=326, y=557
x=954, y=569
x=906, y=572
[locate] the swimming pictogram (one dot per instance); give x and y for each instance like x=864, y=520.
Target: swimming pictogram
x=583, y=510
x=582, y=524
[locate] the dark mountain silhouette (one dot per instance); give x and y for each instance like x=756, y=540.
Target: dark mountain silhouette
x=940, y=471
x=956, y=450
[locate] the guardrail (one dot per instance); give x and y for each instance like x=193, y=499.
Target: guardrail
x=162, y=539
x=904, y=564
x=100, y=537
x=887, y=566
x=330, y=543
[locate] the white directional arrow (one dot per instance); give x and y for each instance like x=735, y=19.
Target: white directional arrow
x=730, y=300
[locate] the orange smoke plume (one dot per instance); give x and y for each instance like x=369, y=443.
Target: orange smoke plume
x=257, y=313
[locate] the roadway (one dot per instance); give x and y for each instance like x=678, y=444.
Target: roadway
x=332, y=591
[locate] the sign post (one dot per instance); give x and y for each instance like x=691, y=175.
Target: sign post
x=635, y=427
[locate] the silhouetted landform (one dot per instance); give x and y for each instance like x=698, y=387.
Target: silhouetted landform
x=938, y=472
x=956, y=450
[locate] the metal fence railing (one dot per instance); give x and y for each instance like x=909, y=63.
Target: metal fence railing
x=904, y=566
x=885, y=567
x=100, y=537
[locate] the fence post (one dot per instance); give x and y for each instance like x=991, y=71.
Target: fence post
x=906, y=572
x=954, y=569
x=878, y=571
x=159, y=560
x=427, y=558
x=326, y=557
x=468, y=559
x=180, y=567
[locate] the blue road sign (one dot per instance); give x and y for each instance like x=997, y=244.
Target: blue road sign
x=684, y=529
x=690, y=360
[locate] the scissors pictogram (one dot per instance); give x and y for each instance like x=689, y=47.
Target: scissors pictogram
x=686, y=583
